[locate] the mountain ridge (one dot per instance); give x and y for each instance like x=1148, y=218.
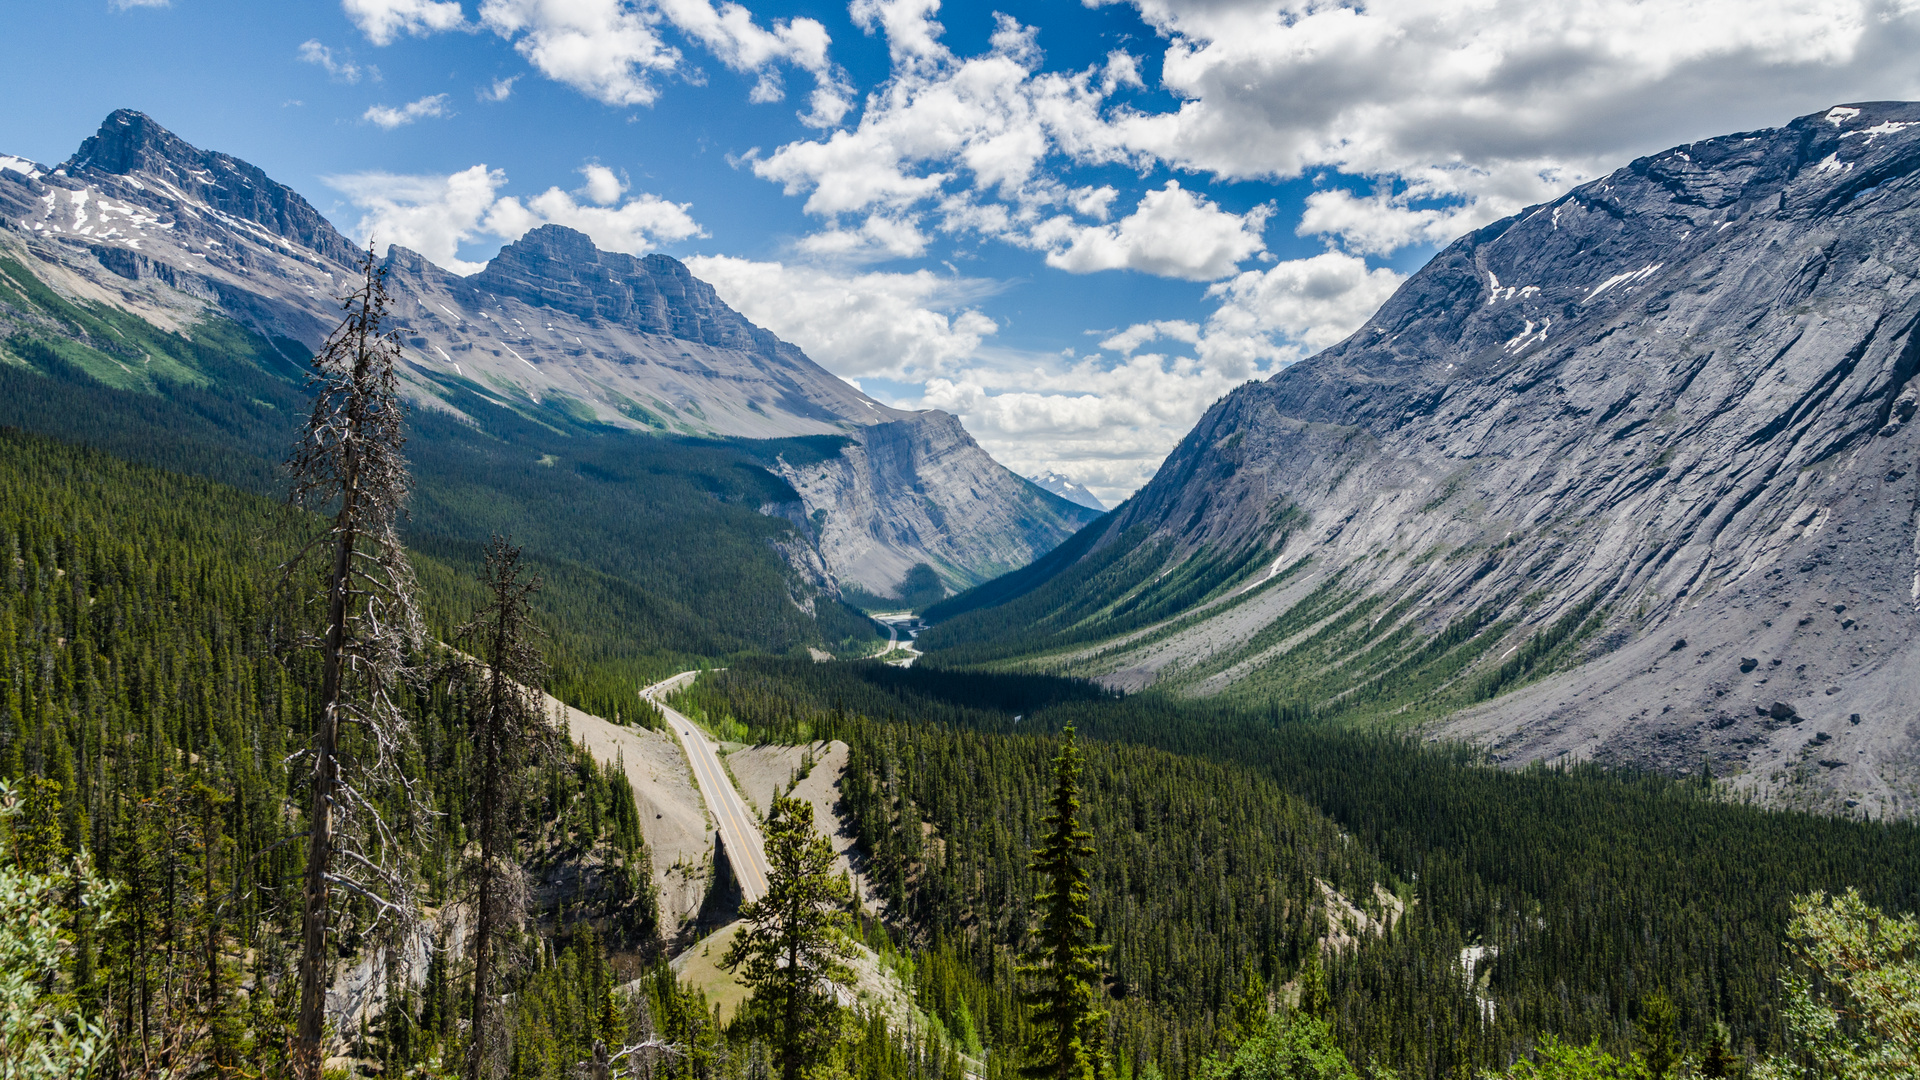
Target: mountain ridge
x=570, y=337
x=1578, y=472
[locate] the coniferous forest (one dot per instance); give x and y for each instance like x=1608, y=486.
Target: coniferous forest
x=1060, y=880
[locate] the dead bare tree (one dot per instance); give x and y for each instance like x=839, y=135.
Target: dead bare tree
x=502, y=670
x=349, y=469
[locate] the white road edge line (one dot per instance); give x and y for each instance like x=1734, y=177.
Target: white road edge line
x=746, y=849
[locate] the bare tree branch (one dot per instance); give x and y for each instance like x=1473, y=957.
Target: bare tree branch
x=348, y=467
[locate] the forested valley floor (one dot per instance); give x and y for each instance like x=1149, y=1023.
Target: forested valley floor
x=1419, y=911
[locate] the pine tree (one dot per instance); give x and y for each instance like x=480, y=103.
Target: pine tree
x=1065, y=960
x=1248, y=1008
x=1314, y=997
x=1717, y=1065
x=1659, y=1029
x=507, y=724
x=792, y=945
x=348, y=464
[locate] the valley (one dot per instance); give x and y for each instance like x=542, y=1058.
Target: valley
x=1519, y=688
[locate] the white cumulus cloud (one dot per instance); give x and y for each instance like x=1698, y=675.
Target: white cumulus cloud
x=1107, y=423
x=1382, y=223
x=383, y=21
x=742, y=44
x=1173, y=233
x=433, y=105
x=635, y=226
x=964, y=145
x=1110, y=421
x=435, y=215
x=614, y=51
x=894, y=325
x=606, y=49
x=1291, y=309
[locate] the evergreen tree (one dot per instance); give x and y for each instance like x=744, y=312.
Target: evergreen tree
x=1065, y=960
x=1314, y=998
x=1249, y=1007
x=43, y=1035
x=792, y=944
x=1718, y=1064
x=348, y=464
x=1659, y=1028
x=507, y=723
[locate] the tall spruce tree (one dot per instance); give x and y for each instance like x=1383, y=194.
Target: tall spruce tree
x=792, y=946
x=1064, y=960
x=348, y=466
x=508, y=726
x=1659, y=1030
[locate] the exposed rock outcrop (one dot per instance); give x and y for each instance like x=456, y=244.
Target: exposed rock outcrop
x=920, y=490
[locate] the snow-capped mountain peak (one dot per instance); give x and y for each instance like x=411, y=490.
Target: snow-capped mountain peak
x=1064, y=487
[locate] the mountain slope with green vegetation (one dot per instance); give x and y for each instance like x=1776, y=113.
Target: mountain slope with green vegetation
x=653, y=547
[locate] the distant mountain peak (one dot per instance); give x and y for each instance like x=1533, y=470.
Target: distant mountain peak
x=131, y=145
x=1064, y=486
x=129, y=141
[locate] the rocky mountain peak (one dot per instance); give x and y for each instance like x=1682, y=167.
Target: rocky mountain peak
x=1065, y=487
x=130, y=141
x=561, y=268
x=155, y=166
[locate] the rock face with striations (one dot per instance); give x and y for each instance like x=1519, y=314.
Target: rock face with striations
x=918, y=490
x=1674, y=407
x=552, y=327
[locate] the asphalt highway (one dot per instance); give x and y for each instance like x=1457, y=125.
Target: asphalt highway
x=739, y=830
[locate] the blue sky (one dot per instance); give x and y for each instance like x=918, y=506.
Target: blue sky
x=1075, y=225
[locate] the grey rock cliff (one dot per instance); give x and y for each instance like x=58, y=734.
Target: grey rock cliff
x=919, y=489
x=1682, y=395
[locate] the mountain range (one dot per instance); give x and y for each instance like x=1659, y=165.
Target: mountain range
x=1627, y=476
x=552, y=329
